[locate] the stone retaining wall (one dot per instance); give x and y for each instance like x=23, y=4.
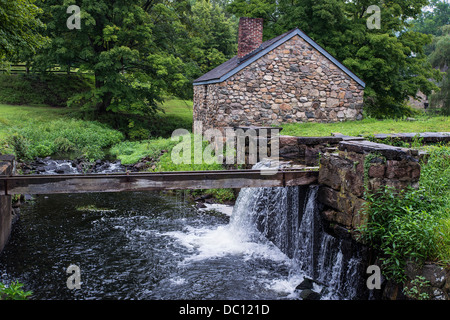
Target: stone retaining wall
x=351, y=165
x=359, y=166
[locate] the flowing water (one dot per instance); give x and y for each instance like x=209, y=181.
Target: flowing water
x=149, y=245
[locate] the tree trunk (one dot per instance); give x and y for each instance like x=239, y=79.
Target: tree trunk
x=102, y=106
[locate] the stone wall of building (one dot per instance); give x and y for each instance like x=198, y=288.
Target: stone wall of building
x=421, y=103
x=292, y=83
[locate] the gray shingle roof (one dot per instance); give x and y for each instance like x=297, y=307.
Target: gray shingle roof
x=232, y=66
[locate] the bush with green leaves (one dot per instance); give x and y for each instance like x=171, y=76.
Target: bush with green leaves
x=86, y=139
x=13, y=292
x=402, y=227
x=412, y=224
x=416, y=289
x=130, y=152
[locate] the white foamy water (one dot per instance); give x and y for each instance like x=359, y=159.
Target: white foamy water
x=268, y=225
x=206, y=243
x=222, y=208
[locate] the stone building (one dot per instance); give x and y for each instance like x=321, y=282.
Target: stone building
x=421, y=103
x=289, y=78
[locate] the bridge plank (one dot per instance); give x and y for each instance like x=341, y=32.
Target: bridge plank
x=41, y=184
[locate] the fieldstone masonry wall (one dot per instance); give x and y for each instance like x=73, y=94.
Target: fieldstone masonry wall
x=292, y=83
x=359, y=165
x=349, y=165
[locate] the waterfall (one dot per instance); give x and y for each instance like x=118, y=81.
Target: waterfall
x=290, y=218
x=304, y=252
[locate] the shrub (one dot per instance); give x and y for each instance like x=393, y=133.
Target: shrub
x=84, y=138
x=20, y=145
x=130, y=152
x=416, y=289
x=402, y=227
x=46, y=89
x=413, y=224
x=13, y=292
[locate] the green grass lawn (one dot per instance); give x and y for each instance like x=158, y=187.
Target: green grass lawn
x=16, y=114
x=12, y=116
x=43, y=131
x=368, y=127
x=30, y=132
x=173, y=114
x=38, y=127
x=177, y=107
x=22, y=115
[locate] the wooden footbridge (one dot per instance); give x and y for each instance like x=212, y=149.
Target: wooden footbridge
x=118, y=182
x=12, y=184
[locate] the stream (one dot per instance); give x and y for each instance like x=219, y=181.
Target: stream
x=156, y=246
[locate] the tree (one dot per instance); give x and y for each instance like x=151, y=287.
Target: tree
x=433, y=18
x=138, y=52
x=210, y=37
x=19, y=27
x=440, y=58
x=391, y=59
x=122, y=46
x=436, y=21
x=440, y=55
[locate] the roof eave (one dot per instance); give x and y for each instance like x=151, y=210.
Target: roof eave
x=276, y=44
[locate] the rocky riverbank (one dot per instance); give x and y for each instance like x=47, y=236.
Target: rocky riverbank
x=79, y=166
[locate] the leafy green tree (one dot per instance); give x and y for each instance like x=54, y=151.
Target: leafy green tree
x=433, y=18
x=436, y=21
x=391, y=60
x=136, y=52
x=19, y=27
x=210, y=37
x=123, y=46
x=440, y=58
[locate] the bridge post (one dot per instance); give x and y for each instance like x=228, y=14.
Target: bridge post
x=7, y=167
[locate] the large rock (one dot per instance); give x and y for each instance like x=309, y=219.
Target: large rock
x=387, y=151
x=332, y=171
x=305, y=284
x=437, y=279
x=309, y=294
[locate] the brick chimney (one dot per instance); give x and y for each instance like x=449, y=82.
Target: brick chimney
x=250, y=35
